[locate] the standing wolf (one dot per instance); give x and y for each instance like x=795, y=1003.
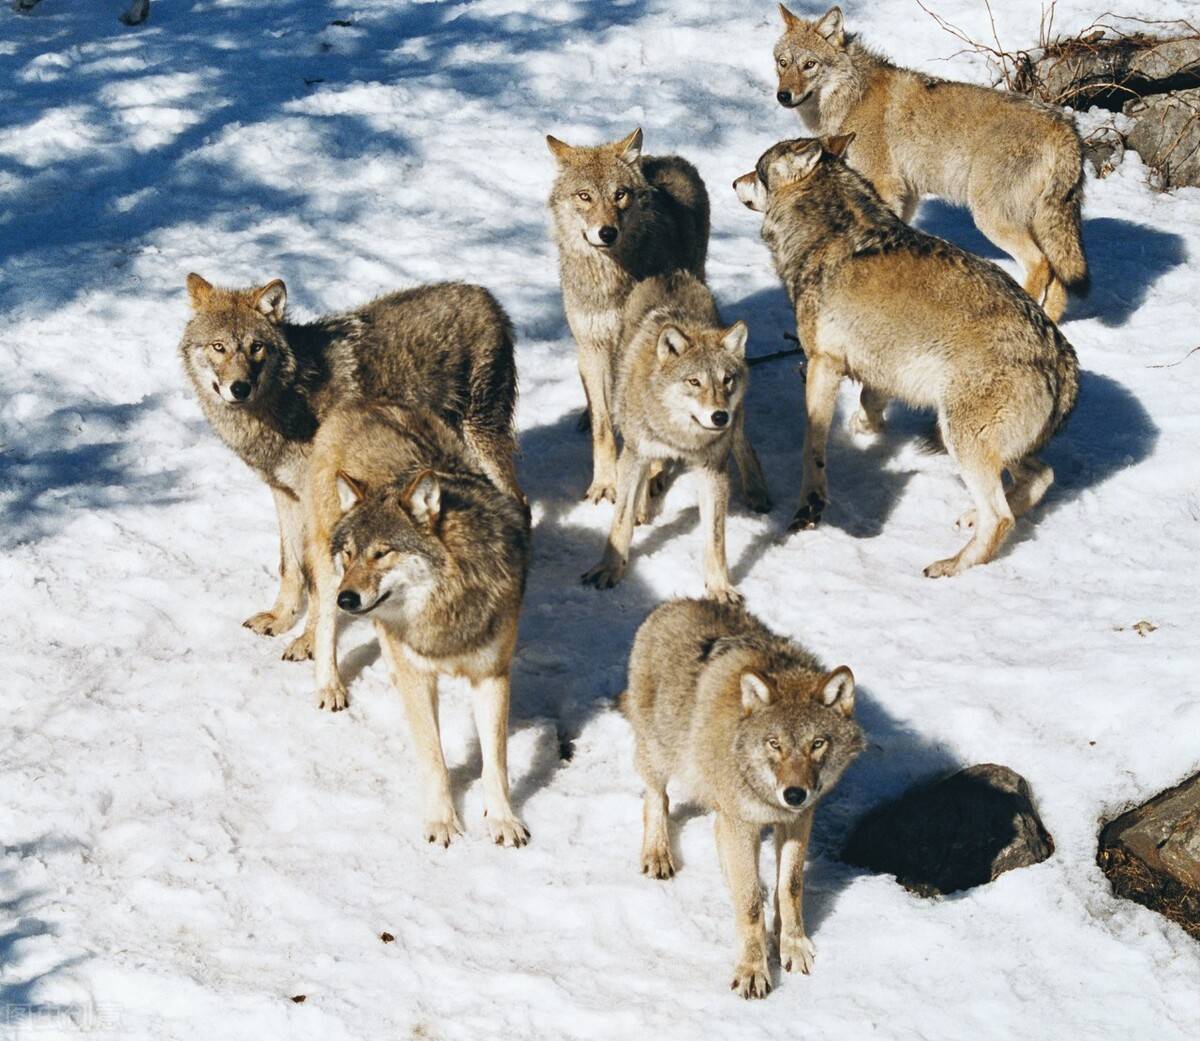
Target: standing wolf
x=266, y=384
x=758, y=732
x=680, y=388
x=1016, y=163
x=911, y=317
x=619, y=217
x=432, y=551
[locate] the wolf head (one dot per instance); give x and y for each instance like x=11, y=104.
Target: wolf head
x=784, y=164
x=796, y=734
x=700, y=376
x=810, y=58
x=387, y=545
x=233, y=347
x=599, y=191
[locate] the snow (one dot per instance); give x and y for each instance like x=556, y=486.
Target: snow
x=186, y=843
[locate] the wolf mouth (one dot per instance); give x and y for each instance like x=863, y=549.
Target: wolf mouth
x=368, y=610
x=797, y=103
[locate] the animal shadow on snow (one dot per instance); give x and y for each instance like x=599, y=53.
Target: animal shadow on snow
x=77, y=458
x=1125, y=258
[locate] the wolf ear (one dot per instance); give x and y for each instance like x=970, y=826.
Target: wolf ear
x=424, y=497
x=559, y=149
x=837, y=144
x=755, y=692
x=790, y=21
x=271, y=299
x=830, y=27
x=350, y=492
x=630, y=148
x=672, y=341
x=734, y=340
x=794, y=166
x=199, y=290
x=837, y=690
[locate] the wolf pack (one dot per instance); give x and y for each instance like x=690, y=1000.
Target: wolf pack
x=386, y=433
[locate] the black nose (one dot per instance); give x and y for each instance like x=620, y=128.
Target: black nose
x=720, y=418
x=240, y=389
x=349, y=600
x=794, y=796
x=608, y=234
x=784, y=97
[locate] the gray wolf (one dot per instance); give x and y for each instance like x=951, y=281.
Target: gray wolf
x=1018, y=164
x=759, y=732
x=406, y=529
x=911, y=317
x=265, y=385
x=680, y=388
x=619, y=217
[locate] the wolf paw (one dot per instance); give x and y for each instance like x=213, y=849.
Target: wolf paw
x=751, y=980
x=300, y=649
x=442, y=832
x=797, y=953
x=270, y=623
x=966, y=522
x=332, y=697
x=944, y=568
x=657, y=862
x=862, y=423
x=599, y=490
x=758, y=500
x=507, y=831
x=604, y=575
x=809, y=514
x=723, y=593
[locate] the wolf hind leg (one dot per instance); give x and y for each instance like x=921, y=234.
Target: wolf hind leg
x=755, y=492
x=993, y=516
x=1031, y=480
x=1020, y=244
x=869, y=417
x=495, y=452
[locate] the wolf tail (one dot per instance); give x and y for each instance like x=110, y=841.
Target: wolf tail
x=1067, y=391
x=1057, y=225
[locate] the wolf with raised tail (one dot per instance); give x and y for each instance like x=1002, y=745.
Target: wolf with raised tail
x=1017, y=163
x=755, y=729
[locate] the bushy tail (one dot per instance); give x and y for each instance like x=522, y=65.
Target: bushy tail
x=1057, y=225
x=1067, y=372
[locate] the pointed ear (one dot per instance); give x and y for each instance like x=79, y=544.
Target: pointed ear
x=350, y=492
x=271, y=299
x=830, y=27
x=837, y=144
x=794, y=166
x=790, y=21
x=837, y=690
x=671, y=340
x=559, y=149
x=755, y=692
x=199, y=290
x=750, y=191
x=424, y=497
x=734, y=340
x=629, y=148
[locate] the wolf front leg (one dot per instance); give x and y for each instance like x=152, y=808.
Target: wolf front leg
x=419, y=692
x=631, y=475
x=714, y=504
x=737, y=849
x=489, y=700
x=290, y=601
x=796, y=950
x=820, y=398
x=595, y=370
x=322, y=628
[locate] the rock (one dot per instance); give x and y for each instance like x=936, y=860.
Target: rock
x=1167, y=135
x=1152, y=854
x=1105, y=149
x=959, y=832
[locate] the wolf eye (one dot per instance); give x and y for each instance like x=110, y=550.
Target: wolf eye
x=818, y=744
x=218, y=346
x=257, y=348
x=783, y=62
x=379, y=554
x=584, y=196
x=810, y=64
x=619, y=194
x=692, y=381
x=773, y=745
x=730, y=378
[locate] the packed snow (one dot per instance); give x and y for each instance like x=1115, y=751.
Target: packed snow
x=188, y=846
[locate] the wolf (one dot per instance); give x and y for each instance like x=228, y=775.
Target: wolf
x=265, y=385
x=407, y=530
x=759, y=732
x=680, y=390
x=1016, y=163
x=912, y=317
x=618, y=217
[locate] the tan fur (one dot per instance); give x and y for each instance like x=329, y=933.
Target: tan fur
x=1018, y=164
x=911, y=317
x=657, y=209
x=755, y=730
x=680, y=389
x=371, y=465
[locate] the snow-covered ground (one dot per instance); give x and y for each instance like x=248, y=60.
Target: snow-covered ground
x=186, y=843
